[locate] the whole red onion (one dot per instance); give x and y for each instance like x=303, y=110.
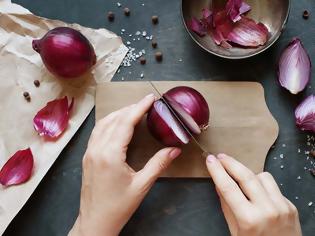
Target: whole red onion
x=189, y=105
x=65, y=52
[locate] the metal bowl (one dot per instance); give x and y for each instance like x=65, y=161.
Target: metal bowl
x=273, y=13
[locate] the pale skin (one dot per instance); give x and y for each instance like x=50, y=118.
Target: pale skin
x=112, y=191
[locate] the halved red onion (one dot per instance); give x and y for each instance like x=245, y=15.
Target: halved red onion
x=246, y=32
x=164, y=126
x=18, y=169
x=65, y=52
x=188, y=105
x=305, y=114
x=294, y=68
x=236, y=8
x=53, y=119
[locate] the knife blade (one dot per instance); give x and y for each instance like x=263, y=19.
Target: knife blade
x=205, y=153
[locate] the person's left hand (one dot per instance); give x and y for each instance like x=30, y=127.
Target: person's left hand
x=111, y=189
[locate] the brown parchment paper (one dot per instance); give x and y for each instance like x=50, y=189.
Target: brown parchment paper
x=240, y=124
x=20, y=66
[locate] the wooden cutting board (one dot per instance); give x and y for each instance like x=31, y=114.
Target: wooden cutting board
x=240, y=124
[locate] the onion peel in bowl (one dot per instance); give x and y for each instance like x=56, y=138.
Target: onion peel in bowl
x=18, y=169
x=305, y=114
x=246, y=32
x=294, y=67
x=229, y=27
x=53, y=119
x=236, y=8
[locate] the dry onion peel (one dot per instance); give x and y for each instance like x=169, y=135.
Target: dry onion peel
x=18, y=169
x=229, y=27
x=236, y=8
x=53, y=119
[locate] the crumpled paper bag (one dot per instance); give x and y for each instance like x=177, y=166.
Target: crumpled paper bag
x=20, y=66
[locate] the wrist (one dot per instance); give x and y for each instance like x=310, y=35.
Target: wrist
x=82, y=228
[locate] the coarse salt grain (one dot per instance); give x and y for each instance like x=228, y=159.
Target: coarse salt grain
x=138, y=33
x=281, y=156
x=296, y=197
x=118, y=4
x=282, y=166
x=283, y=145
x=310, y=204
x=144, y=33
x=128, y=43
x=299, y=178
x=141, y=75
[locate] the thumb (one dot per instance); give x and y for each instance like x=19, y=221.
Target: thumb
x=156, y=165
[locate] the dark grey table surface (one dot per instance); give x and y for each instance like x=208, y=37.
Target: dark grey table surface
x=174, y=207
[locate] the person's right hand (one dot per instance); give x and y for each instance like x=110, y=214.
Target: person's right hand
x=252, y=204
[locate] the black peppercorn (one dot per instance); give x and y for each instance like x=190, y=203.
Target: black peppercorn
x=155, y=20
x=111, y=16
x=159, y=56
x=142, y=60
x=154, y=44
x=27, y=96
x=306, y=14
x=36, y=83
x=127, y=11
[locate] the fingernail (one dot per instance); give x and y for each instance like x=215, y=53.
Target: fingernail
x=175, y=153
x=211, y=158
x=221, y=156
x=151, y=95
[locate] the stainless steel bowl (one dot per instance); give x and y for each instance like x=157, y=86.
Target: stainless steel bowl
x=273, y=13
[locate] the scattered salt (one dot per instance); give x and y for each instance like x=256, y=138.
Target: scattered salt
x=118, y=4
x=299, y=178
x=310, y=204
x=283, y=145
x=144, y=33
x=128, y=43
x=138, y=33
x=281, y=156
x=296, y=197
x=141, y=75
x=299, y=150
x=123, y=30
x=122, y=78
x=282, y=166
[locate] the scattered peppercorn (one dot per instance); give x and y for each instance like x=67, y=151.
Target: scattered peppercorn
x=127, y=11
x=306, y=14
x=27, y=96
x=111, y=16
x=155, y=20
x=142, y=60
x=159, y=56
x=154, y=44
x=36, y=83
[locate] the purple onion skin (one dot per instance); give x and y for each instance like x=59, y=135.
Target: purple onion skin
x=160, y=130
x=192, y=102
x=65, y=52
x=305, y=114
x=294, y=67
